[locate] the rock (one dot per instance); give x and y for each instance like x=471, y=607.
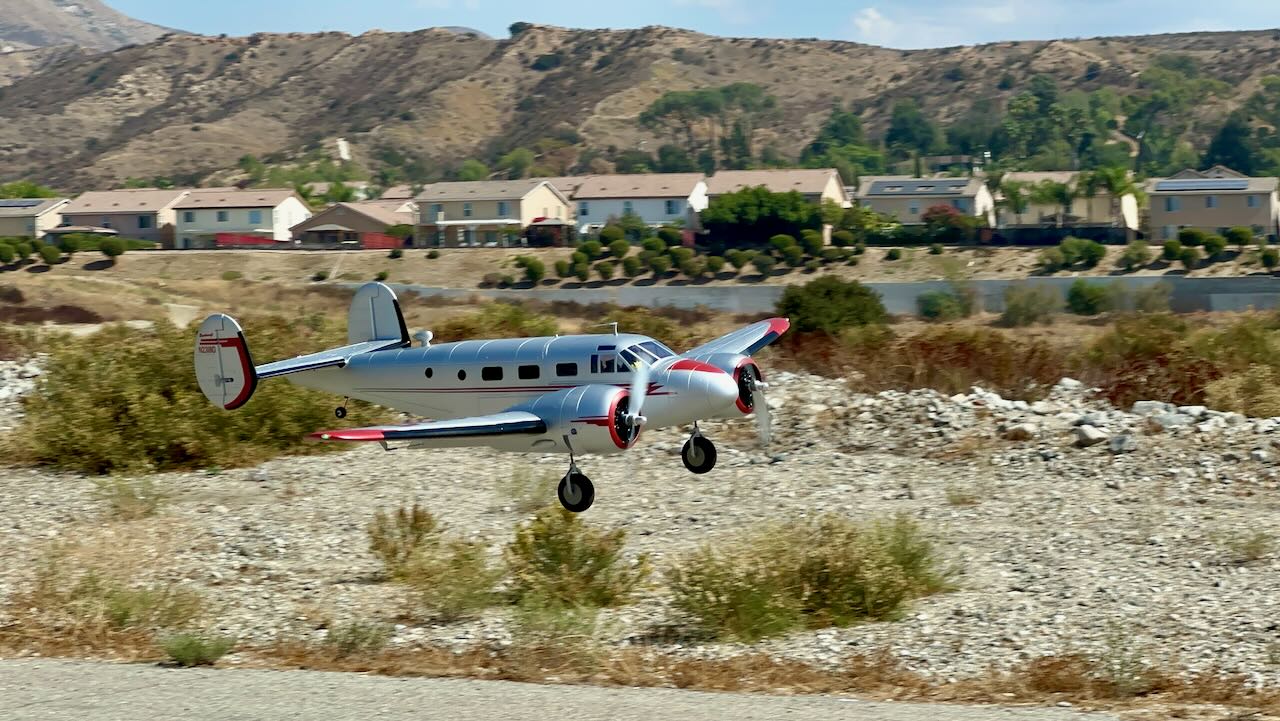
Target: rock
x=1021, y=432
x=1069, y=384
x=1193, y=411
x=1045, y=408
x=1167, y=421
x=259, y=475
x=1089, y=436
x=1123, y=443
x=1260, y=455
x=1151, y=408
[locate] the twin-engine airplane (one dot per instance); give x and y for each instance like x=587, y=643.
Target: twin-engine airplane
x=567, y=394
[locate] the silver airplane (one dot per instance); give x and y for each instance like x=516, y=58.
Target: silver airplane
x=566, y=394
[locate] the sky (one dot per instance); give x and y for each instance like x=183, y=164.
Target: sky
x=892, y=23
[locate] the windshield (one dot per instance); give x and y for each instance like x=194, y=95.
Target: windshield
x=656, y=349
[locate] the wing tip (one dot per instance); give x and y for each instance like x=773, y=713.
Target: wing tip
x=350, y=434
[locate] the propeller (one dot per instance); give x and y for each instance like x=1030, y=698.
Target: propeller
x=639, y=389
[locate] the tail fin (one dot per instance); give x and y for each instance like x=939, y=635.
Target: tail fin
x=375, y=316
x=224, y=367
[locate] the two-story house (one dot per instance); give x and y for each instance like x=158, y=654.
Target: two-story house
x=489, y=212
x=1213, y=201
x=263, y=212
x=815, y=184
x=657, y=199
x=906, y=198
x=143, y=213
x=1099, y=210
x=30, y=217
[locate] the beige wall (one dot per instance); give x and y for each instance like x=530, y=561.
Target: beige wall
x=161, y=223
x=17, y=227
x=543, y=203
x=901, y=208
x=1193, y=212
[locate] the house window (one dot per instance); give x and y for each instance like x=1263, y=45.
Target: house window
x=626, y=207
x=502, y=208
x=1210, y=201
x=529, y=373
x=584, y=209
x=223, y=216
x=673, y=207
x=436, y=210
x=466, y=210
x=255, y=217
x=566, y=369
x=914, y=209
x=491, y=373
x=188, y=216
x=1253, y=201
x=106, y=222
x=1172, y=204
x=144, y=222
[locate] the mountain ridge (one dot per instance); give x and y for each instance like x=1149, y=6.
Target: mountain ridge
x=91, y=24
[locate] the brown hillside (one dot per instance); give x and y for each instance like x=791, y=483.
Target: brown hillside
x=185, y=106
x=86, y=23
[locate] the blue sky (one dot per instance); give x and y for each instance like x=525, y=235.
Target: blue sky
x=894, y=23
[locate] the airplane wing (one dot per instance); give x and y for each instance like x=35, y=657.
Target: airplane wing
x=745, y=341
x=498, y=424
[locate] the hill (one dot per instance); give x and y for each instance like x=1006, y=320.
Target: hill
x=87, y=23
x=414, y=105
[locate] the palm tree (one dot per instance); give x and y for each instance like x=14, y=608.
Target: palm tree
x=1013, y=197
x=1116, y=182
x=1051, y=192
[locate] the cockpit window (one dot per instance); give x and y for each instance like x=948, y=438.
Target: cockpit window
x=656, y=348
x=644, y=355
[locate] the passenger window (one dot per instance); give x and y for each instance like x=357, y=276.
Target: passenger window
x=529, y=373
x=566, y=369
x=491, y=373
x=607, y=364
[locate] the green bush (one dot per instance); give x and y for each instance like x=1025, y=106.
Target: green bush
x=452, y=578
x=1085, y=298
x=632, y=266
x=833, y=255
x=396, y=537
x=859, y=248
x=69, y=243
x=1270, y=258
x=1190, y=258
x=619, y=249
x=592, y=249
x=660, y=264
x=830, y=305
x=1078, y=250
x=1136, y=255
x=534, y=269
x=582, y=272
x=50, y=254
x=670, y=236
x=940, y=305
x=433, y=254
x=653, y=245
x=793, y=255
x=126, y=400
x=764, y=264
x=358, y=638
x=558, y=558
x=692, y=268
x=381, y=276
x=936, y=249
x=396, y=254
x=608, y=234
x=189, y=650
x=232, y=275
x=893, y=254
x=1191, y=237
x=1214, y=245
x=23, y=249
x=112, y=247
x=1027, y=305
x=320, y=275
x=563, y=269
x=1171, y=251
x=781, y=242
x=714, y=264
x=128, y=499
x=1052, y=260
x=815, y=572
x=739, y=259
x=1239, y=236
x=1152, y=298
x=680, y=255
x=811, y=242
x=7, y=254
x=842, y=239
x=605, y=269
x=496, y=320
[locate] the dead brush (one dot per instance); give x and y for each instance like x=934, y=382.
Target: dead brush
x=397, y=536
x=557, y=558
x=527, y=489
x=129, y=499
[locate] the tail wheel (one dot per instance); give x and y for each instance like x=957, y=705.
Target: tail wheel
x=699, y=455
x=576, y=492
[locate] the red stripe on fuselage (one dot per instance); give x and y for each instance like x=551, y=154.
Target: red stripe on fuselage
x=688, y=364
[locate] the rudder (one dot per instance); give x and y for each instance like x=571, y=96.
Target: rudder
x=224, y=368
x=375, y=316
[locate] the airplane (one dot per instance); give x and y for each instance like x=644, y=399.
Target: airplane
x=573, y=394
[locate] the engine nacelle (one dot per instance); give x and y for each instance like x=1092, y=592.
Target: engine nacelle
x=745, y=373
x=594, y=418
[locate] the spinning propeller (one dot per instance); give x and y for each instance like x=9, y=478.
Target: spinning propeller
x=764, y=420
x=639, y=389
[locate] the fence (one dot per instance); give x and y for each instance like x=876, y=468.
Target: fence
x=380, y=241
x=237, y=240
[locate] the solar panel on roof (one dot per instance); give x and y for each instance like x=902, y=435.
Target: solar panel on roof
x=24, y=203
x=1203, y=184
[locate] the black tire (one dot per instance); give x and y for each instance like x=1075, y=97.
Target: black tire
x=699, y=455
x=340, y=412
x=583, y=496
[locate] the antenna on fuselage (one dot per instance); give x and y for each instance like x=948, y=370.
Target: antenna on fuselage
x=613, y=325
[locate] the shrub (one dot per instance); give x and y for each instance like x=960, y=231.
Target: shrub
x=764, y=264
x=609, y=234
x=654, y=245
x=714, y=264
x=491, y=280
x=395, y=538
x=659, y=264
x=1190, y=258
x=940, y=305
x=1214, y=244
x=592, y=249
x=842, y=239
x=680, y=255
x=1172, y=250
x=893, y=254
x=936, y=249
x=1136, y=255
x=1248, y=546
x=452, y=577
x=632, y=266
x=381, y=276
x=1026, y=305
x=1052, y=260
x=605, y=269
x=1270, y=258
x=125, y=399
x=189, y=650
x=497, y=320
x=830, y=305
x=670, y=236
x=320, y=275
x=793, y=255
x=811, y=242
x=563, y=269
x=1239, y=236
x=1085, y=298
x=1152, y=298
x=6, y=254
x=816, y=572
x=129, y=500
x=582, y=271
x=69, y=243
x=1191, y=237
x=358, y=638
x=812, y=266
x=832, y=255
x=232, y=275
x=50, y=254
x=1079, y=250
x=1254, y=392
x=396, y=254
x=781, y=242
x=619, y=248
x=692, y=268
x=859, y=248
x=739, y=259
x=433, y=254
x=534, y=269
x=556, y=557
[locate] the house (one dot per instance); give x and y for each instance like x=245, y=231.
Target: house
x=398, y=192
x=906, y=198
x=657, y=199
x=816, y=185
x=351, y=223
x=1097, y=211
x=1213, y=200
x=489, y=212
x=567, y=184
x=261, y=212
x=143, y=213
x=30, y=217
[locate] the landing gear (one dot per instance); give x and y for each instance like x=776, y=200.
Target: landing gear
x=699, y=454
x=576, y=492
x=341, y=411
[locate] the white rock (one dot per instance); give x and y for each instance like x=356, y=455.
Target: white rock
x=1087, y=435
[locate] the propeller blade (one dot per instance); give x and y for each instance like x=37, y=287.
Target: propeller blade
x=764, y=418
x=639, y=389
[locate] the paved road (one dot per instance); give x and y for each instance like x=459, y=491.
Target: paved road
x=74, y=691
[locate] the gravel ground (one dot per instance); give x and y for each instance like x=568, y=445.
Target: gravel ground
x=1121, y=547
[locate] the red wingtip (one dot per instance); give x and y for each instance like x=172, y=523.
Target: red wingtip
x=349, y=434
x=779, y=325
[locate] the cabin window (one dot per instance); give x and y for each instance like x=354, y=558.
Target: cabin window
x=462, y=375
x=491, y=373
x=529, y=373
x=428, y=372
x=566, y=369
x=656, y=348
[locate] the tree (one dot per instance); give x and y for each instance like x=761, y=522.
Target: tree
x=1117, y=182
x=830, y=305
x=910, y=131
x=1233, y=145
x=946, y=223
x=472, y=169
x=518, y=28
x=841, y=128
x=675, y=159
x=1014, y=198
x=749, y=217
x=112, y=248
x=517, y=163
x=25, y=189
x=1051, y=192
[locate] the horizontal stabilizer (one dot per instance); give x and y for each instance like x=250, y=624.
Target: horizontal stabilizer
x=332, y=358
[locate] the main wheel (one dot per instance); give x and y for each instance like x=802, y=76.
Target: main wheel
x=576, y=492
x=340, y=412
x=699, y=455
